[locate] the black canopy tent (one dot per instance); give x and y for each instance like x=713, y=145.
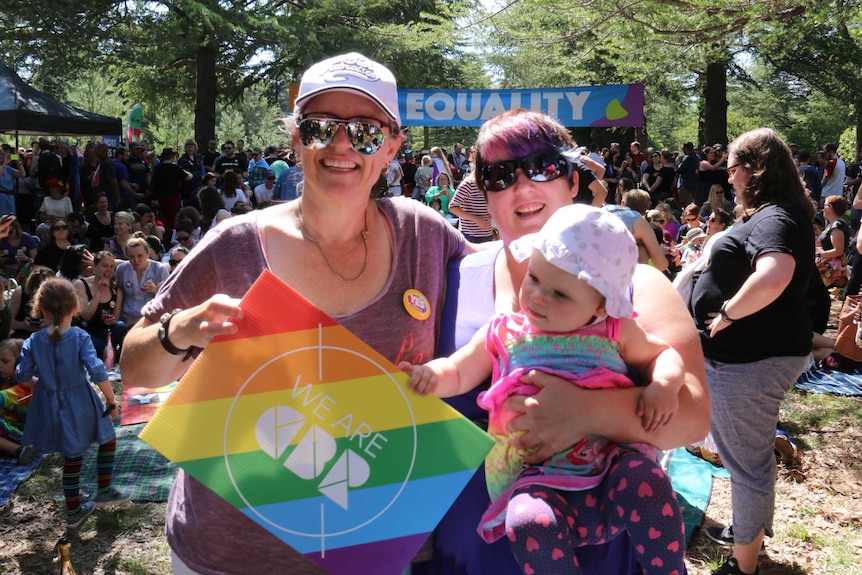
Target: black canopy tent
x=25, y=110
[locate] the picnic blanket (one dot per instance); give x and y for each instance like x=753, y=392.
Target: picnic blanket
x=691, y=478
x=138, y=468
x=834, y=382
x=141, y=403
x=12, y=475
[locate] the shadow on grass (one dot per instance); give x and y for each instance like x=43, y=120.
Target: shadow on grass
x=809, y=414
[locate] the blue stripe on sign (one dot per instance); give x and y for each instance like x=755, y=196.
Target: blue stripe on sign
x=417, y=509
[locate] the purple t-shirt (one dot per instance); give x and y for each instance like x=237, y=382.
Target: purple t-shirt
x=208, y=534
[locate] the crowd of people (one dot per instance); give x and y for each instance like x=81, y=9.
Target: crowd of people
x=595, y=366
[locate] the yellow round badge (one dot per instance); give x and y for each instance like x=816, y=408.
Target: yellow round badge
x=417, y=304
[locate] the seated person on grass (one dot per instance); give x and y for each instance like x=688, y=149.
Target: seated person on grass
x=14, y=400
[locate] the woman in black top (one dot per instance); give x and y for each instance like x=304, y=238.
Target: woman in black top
x=101, y=303
x=102, y=219
x=756, y=342
x=21, y=304
x=51, y=252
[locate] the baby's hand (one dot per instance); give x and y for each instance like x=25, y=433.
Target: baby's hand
x=657, y=406
x=422, y=380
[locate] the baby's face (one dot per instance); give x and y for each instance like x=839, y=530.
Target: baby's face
x=556, y=301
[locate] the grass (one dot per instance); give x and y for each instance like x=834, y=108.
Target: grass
x=818, y=524
x=818, y=517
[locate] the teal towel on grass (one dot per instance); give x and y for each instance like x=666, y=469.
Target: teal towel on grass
x=691, y=478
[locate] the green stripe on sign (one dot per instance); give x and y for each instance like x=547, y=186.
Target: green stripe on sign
x=444, y=447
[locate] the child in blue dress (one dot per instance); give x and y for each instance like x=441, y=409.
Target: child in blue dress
x=575, y=322
x=66, y=414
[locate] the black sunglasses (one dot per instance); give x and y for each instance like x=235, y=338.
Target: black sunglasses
x=63, y=227
x=182, y=238
x=317, y=133
x=542, y=167
x=174, y=263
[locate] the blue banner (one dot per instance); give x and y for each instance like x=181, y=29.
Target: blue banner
x=619, y=105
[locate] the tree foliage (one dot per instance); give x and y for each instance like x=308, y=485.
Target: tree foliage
x=210, y=55
x=670, y=45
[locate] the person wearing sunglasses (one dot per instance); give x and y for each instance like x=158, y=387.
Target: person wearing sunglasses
x=185, y=238
x=522, y=169
x=710, y=171
x=51, y=251
x=690, y=219
x=229, y=161
x=718, y=221
x=749, y=306
x=178, y=254
x=351, y=256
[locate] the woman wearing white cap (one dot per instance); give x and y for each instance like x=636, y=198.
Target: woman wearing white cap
x=575, y=322
x=352, y=257
x=525, y=180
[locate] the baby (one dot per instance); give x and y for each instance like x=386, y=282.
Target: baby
x=575, y=322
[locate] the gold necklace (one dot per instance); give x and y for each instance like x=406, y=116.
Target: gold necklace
x=326, y=259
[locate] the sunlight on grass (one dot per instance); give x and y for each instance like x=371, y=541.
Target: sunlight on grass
x=798, y=532
x=806, y=512
x=843, y=548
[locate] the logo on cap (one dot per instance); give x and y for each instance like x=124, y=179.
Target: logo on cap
x=357, y=67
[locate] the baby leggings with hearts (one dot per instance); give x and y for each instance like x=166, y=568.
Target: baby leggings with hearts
x=544, y=525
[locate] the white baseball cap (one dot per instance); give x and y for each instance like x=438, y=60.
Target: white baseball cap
x=352, y=73
x=592, y=245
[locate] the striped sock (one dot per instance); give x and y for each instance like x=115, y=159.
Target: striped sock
x=72, y=484
x=105, y=464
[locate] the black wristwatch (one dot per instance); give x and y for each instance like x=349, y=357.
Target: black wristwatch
x=723, y=313
x=162, y=334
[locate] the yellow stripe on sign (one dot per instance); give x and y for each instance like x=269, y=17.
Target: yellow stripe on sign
x=341, y=408
x=188, y=431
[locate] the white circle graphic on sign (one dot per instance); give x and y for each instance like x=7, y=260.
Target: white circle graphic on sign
x=312, y=451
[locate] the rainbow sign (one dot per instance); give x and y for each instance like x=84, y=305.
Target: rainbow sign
x=315, y=436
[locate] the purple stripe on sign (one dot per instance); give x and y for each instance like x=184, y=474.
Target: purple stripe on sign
x=388, y=557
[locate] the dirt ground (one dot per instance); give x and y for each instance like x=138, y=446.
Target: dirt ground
x=818, y=520
x=818, y=507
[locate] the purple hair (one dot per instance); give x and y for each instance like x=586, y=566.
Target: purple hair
x=517, y=134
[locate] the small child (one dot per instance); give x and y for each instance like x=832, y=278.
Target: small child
x=66, y=414
x=56, y=205
x=14, y=401
x=576, y=323
x=437, y=206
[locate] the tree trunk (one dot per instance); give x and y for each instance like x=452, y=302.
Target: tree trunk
x=715, y=103
x=205, y=95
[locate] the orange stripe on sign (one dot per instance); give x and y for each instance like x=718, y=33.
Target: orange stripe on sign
x=276, y=361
